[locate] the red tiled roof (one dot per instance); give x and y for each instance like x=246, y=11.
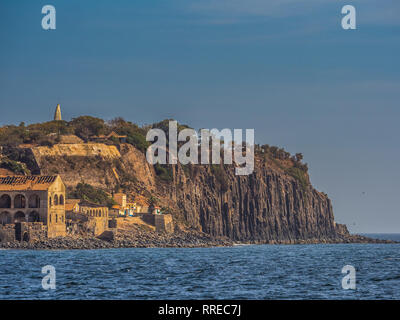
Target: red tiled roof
x=19, y=183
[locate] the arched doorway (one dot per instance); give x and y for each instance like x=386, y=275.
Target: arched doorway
x=34, y=201
x=19, y=201
x=5, y=217
x=34, y=217
x=25, y=237
x=5, y=201
x=19, y=217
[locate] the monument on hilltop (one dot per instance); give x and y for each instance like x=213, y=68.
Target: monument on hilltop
x=57, y=114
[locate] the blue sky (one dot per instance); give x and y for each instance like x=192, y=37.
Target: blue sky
x=285, y=68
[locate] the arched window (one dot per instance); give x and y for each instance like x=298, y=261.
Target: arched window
x=19, y=217
x=56, y=217
x=5, y=217
x=5, y=201
x=34, y=201
x=61, y=199
x=56, y=200
x=33, y=217
x=19, y=201
x=50, y=202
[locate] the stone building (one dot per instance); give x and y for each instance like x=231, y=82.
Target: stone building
x=72, y=205
x=91, y=216
x=120, y=199
x=33, y=199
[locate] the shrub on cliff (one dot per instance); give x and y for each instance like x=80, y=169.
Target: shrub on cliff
x=87, y=126
x=136, y=136
x=12, y=135
x=300, y=175
x=41, y=133
x=87, y=192
x=45, y=128
x=164, y=126
x=14, y=166
x=164, y=172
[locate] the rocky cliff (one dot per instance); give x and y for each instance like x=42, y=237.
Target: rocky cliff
x=269, y=205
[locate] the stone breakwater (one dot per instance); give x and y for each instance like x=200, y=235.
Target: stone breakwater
x=151, y=239
x=124, y=240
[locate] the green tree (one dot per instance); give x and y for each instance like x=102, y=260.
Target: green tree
x=87, y=126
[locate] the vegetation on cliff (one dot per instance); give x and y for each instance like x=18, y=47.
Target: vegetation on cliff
x=85, y=127
x=16, y=167
x=89, y=193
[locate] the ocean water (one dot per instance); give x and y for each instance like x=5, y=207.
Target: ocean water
x=383, y=236
x=239, y=272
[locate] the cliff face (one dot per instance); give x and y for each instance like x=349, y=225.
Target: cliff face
x=266, y=206
x=79, y=149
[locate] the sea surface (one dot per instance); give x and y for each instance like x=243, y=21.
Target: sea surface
x=239, y=272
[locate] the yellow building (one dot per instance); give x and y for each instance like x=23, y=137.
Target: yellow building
x=120, y=199
x=34, y=199
x=97, y=216
x=72, y=205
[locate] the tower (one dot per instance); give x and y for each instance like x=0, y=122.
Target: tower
x=57, y=114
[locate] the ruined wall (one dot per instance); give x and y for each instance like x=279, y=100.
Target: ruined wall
x=148, y=218
x=97, y=225
x=7, y=233
x=164, y=223
x=24, y=231
x=78, y=223
x=36, y=231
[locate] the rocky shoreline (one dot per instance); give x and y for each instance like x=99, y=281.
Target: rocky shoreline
x=124, y=240
x=163, y=240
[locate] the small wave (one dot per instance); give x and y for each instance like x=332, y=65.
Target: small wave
x=396, y=277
